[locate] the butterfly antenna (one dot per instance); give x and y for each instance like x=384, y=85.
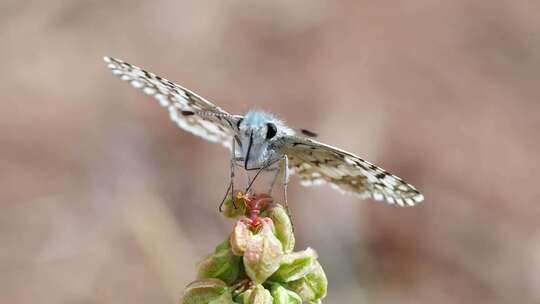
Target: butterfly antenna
x=205, y=114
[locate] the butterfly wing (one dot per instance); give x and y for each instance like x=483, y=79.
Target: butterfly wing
x=215, y=126
x=317, y=163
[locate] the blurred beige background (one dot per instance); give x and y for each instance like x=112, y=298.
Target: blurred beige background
x=103, y=200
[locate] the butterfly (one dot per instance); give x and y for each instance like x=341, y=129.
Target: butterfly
x=260, y=141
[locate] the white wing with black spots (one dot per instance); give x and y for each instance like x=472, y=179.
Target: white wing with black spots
x=263, y=139
x=316, y=163
x=215, y=125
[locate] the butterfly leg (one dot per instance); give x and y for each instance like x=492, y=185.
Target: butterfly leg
x=284, y=168
x=231, y=182
x=285, y=182
x=259, y=170
x=233, y=163
x=274, y=179
x=224, y=198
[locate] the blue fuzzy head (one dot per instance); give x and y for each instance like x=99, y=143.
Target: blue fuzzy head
x=256, y=118
x=257, y=130
x=259, y=125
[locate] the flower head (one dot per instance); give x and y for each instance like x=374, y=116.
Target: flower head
x=256, y=264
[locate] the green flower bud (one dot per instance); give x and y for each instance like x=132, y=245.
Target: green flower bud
x=263, y=253
x=257, y=295
x=222, y=264
x=240, y=237
x=207, y=291
x=283, y=226
x=296, y=265
x=282, y=295
x=312, y=287
x=234, y=210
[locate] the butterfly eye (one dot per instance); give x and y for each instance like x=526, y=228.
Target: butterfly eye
x=271, y=130
x=239, y=122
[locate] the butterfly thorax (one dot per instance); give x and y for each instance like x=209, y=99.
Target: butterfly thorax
x=258, y=133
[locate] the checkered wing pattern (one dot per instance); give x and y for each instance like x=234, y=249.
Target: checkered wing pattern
x=215, y=125
x=316, y=163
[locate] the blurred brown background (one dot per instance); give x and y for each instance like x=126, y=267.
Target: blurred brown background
x=104, y=200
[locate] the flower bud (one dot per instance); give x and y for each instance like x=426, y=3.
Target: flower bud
x=207, y=291
x=282, y=295
x=263, y=253
x=240, y=236
x=234, y=207
x=294, y=266
x=257, y=295
x=222, y=264
x=312, y=287
x=283, y=226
